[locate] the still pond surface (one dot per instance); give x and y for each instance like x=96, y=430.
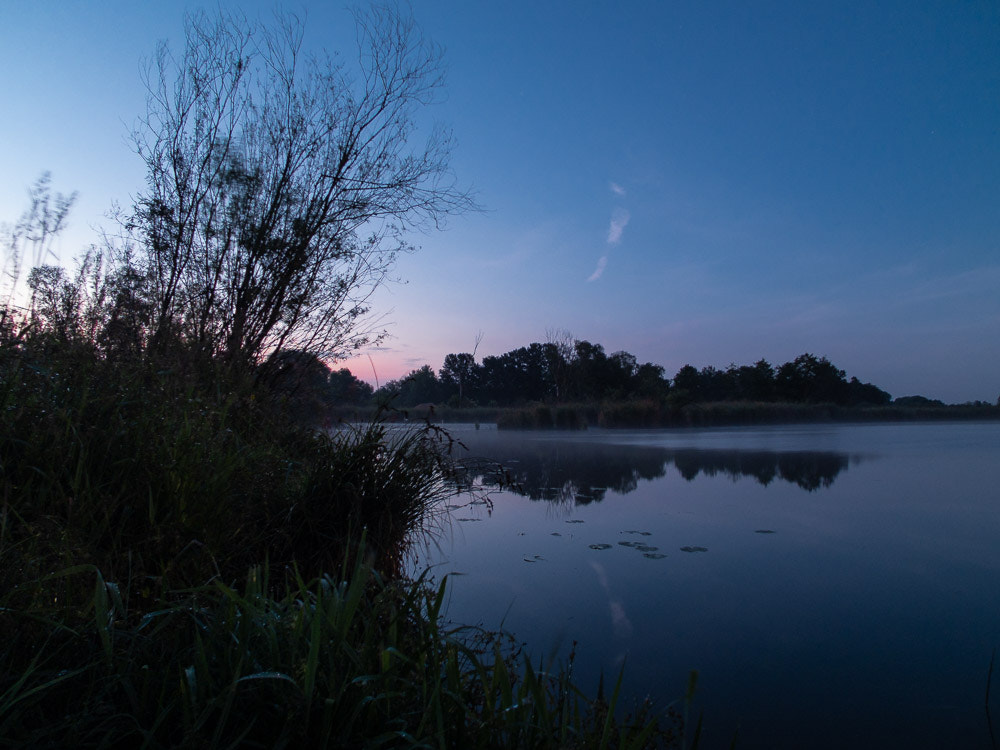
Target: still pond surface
x=834, y=585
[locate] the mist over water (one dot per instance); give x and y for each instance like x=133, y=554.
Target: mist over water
x=833, y=584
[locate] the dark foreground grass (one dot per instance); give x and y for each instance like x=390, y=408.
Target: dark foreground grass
x=136, y=498
x=343, y=661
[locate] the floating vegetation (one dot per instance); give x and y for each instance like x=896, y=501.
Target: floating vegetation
x=470, y=519
x=555, y=533
x=640, y=533
x=640, y=546
x=764, y=531
x=533, y=558
x=654, y=555
x=694, y=549
x=600, y=546
x=574, y=520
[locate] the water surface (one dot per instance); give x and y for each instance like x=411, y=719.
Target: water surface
x=834, y=585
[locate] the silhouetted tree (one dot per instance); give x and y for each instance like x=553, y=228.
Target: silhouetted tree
x=302, y=379
x=278, y=184
x=588, y=371
x=559, y=353
x=811, y=379
x=753, y=382
x=688, y=380
x=650, y=382
x=866, y=394
x=344, y=388
x=715, y=385
x=917, y=401
x=460, y=374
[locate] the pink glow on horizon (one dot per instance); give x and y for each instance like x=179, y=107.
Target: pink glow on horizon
x=380, y=369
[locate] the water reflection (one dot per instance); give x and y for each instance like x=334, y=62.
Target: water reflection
x=810, y=470
x=582, y=473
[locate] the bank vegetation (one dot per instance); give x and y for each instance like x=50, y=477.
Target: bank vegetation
x=184, y=562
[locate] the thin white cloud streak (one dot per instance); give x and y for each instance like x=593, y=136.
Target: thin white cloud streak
x=600, y=268
x=617, y=189
x=619, y=220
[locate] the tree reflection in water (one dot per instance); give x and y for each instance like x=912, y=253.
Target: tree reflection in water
x=582, y=472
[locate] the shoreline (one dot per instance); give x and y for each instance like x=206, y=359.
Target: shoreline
x=650, y=414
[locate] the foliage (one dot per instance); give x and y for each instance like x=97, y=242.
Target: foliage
x=278, y=184
x=153, y=446
x=134, y=499
x=583, y=372
x=346, y=661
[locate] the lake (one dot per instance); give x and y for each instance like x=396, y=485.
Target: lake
x=834, y=585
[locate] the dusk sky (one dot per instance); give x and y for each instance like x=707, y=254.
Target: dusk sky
x=693, y=182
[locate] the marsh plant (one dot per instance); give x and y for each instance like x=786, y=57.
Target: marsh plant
x=184, y=561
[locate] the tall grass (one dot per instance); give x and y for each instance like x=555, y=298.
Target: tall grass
x=135, y=467
x=544, y=417
x=346, y=661
x=136, y=497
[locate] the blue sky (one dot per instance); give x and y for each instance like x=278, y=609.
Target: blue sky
x=692, y=182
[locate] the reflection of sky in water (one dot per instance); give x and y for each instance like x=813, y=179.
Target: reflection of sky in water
x=872, y=595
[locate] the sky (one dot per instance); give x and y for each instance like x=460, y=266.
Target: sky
x=695, y=183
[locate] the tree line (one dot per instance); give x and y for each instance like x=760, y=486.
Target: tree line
x=579, y=371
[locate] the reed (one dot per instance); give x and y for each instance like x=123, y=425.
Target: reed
x=134, y=500
x=340, y=661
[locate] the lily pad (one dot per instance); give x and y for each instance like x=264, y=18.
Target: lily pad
x=630, y=544
x=645, y=548
x=694, y=549
x=654, y=555
x=555, y=533
x=641, y=533
x=764, y=531
x=574, y=520
x=470, y=519
x=600, y=546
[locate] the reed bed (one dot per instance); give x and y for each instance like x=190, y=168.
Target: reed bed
x=642, y=414
x=352, y=660
x=181, y=566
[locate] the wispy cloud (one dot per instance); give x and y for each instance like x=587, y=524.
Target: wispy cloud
x=617, y=189
x=619, y=220
x=600, y=269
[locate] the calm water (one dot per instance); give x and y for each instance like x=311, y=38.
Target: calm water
x=834, y=585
